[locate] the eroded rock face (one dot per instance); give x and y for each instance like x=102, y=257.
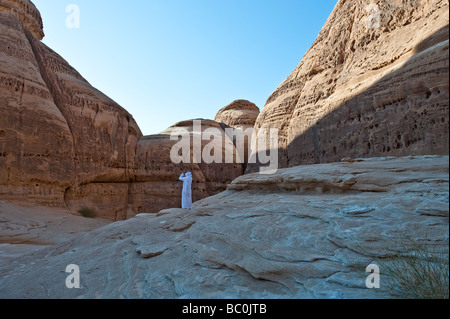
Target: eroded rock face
x=156, y=185
x=27, y=13
x=36, y=144
x=374, y=83
x=238, y=114
x=62, y=142
x=305, y=232
x=65, y=144
x=26, y=228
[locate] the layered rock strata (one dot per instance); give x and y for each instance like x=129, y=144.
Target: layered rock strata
x=63, y=143
x=374, y=83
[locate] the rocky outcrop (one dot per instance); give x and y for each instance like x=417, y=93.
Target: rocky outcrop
x=305, y=232
x=238, y=114
x=156, y=186
x=36, y=144
x=27, y=13
x=27, y=228
x=374, y=83
x=63, y=143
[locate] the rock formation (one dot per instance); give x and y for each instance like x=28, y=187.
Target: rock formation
x=238, y=114
x=156, y=186
x=374, y=83
x=65, y=144
x=27, y=228
x=34, y=135
x=305, y=232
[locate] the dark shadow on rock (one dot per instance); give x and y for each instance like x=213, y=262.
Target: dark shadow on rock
x=404, y=113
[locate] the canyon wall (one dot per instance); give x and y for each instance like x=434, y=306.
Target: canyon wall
x=374, y=83
x=65, y=144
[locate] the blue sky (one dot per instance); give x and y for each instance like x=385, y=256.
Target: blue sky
x=166, y=61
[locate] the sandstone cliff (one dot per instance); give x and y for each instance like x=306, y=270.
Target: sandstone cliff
x=305, y=232
x=366, y=87
x=36, y=147
x=65, y=144
x=374, y=83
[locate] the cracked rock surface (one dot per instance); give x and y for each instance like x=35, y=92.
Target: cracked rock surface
x=304, y=232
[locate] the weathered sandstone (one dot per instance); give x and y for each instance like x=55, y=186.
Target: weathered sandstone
x=362, y=90
x=30, y=227
x=36, y=144
x=65, y=144
x=238, y=114
x=62, y=142
x=305, y=232
x=28, y=15
x=156, y=186
x=374, y=83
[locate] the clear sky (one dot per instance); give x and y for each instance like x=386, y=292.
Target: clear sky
x=166, y=61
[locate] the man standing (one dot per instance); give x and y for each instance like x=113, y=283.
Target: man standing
x=186, y=196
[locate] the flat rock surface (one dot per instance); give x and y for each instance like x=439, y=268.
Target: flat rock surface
x=305, y=232
x=25, y=228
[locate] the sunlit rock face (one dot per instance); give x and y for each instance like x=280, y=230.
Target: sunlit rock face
x=62, y=142
x=65, y=144
x=238, y=114
x=374, y=83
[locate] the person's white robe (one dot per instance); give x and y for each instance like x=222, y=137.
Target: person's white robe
x=186, y=196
